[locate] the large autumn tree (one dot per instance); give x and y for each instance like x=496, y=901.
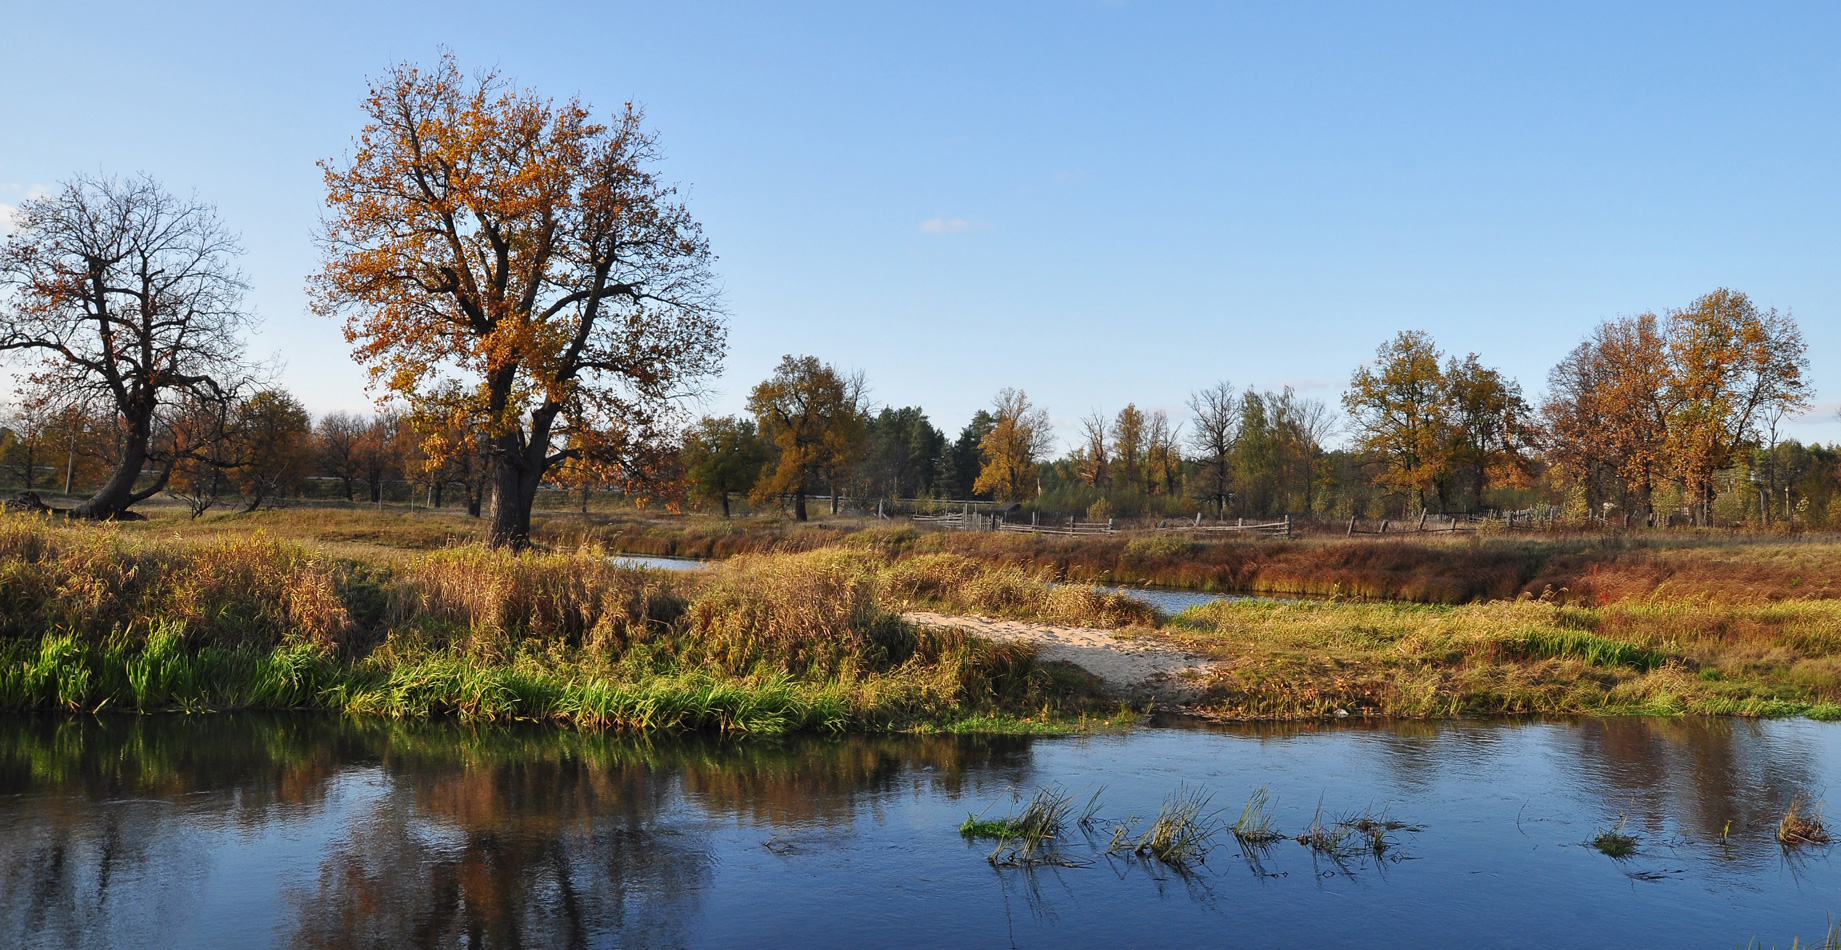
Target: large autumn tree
x=1647, y=399
x=509, y=264
x=1733, y=364
x=119, y=295
x=1606, y=413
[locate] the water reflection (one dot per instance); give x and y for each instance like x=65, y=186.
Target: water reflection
x=331, y=833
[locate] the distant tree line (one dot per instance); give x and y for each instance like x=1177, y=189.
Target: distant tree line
x=1677, y=414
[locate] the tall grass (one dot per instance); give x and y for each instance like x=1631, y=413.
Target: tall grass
x=96, y=618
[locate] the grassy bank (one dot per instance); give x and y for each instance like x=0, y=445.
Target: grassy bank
x=1431, y=568
x=98, y=618
x=400, y=615
x=1654, y=657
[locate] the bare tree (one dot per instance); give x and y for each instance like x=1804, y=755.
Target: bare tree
x=1217, y=428
x=115, y=292
x=1306, y=424
x=336, y=449
x=1095, y=437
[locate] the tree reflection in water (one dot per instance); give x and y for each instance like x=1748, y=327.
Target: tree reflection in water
x=500, y=837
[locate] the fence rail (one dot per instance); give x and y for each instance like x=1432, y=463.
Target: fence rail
x=1280, y=528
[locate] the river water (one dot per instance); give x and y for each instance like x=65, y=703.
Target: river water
x=252, y=830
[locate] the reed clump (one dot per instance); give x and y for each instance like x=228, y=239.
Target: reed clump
x=1613, y=842
x=1801, y=825
x=1027, y=838
x=956, y=583
x=1183, y=831
x=1255, y=827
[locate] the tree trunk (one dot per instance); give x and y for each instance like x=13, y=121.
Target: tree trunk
x=118, y=493
x=725, y=506
x=799, y=505
x=514, y=492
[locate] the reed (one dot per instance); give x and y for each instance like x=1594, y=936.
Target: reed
x=1801, y=824
x=1255, y=827
x=1026, y=839
x=1183, y=831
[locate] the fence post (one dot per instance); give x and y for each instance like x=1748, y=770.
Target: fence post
x=1383, y=525
x=1422, y=513
x=1108, y=525
x=1287, y=527
x=1351, y=526
x=1240, y=522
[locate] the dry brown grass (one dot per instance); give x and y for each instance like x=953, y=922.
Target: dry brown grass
x=1801, y=825
x=95, y=582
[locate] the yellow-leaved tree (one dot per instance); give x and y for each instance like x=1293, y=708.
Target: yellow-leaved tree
x=511, y=266
x=1019, y=437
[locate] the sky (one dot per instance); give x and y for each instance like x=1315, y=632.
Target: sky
x=1095, y=202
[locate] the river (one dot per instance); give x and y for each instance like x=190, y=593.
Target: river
x=249, y=830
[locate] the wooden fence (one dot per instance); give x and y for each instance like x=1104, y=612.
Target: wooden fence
x=1280, y=528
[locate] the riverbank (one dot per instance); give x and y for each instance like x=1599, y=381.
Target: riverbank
x=223, y=615
x=95, y=617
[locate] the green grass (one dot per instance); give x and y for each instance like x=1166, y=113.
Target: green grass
x=1614, y=843
x=1183, y=831
x=1255, y=827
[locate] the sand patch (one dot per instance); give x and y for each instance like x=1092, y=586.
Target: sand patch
x=1137, y=668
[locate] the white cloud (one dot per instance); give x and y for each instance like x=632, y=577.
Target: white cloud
x=8, y=214
x=945, y=225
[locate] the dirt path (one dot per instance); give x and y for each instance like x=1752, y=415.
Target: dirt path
x=1136, y=669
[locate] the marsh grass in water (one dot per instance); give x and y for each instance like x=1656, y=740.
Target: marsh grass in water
x=1801, y=824
x=1255, y=827
x=1614, y=843
x=1028, y=838
x=1183, y=831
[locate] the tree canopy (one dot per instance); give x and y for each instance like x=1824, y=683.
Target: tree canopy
x=506, y=262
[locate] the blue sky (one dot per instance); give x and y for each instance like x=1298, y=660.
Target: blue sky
x=1095, y=202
